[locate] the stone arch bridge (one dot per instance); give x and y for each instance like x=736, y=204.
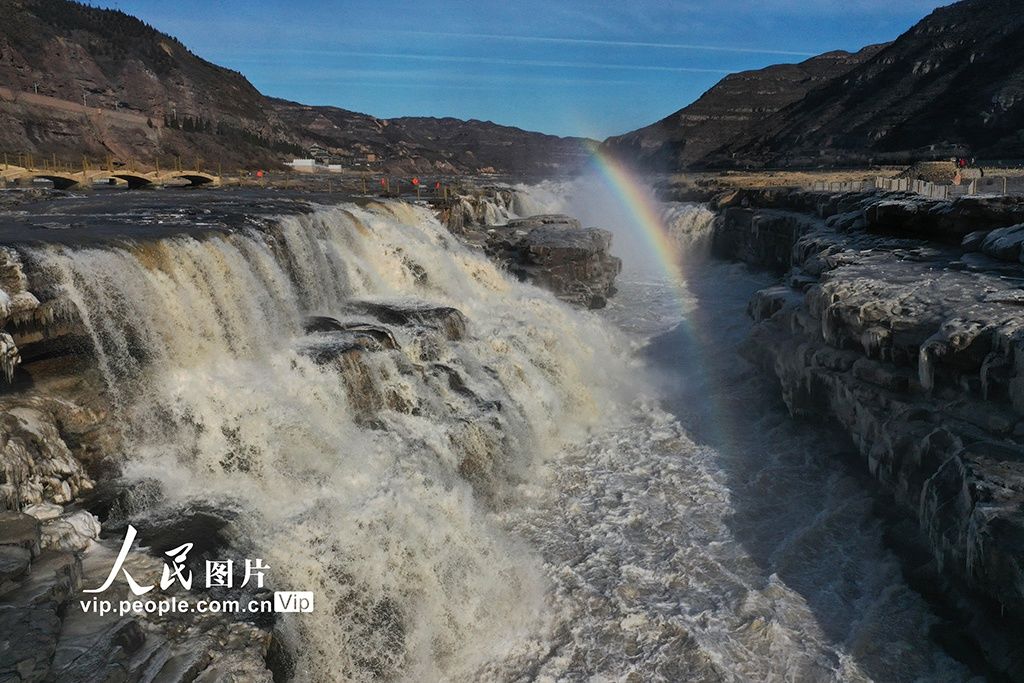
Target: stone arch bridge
x=64, y=179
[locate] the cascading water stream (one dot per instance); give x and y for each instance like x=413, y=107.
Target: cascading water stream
x=370, y=479
x=499, y=502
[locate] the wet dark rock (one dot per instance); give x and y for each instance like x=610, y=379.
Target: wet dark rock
x=886, y=328
x=554, y=252
x=280, y=659
x=28, y=638
x=55, y=575
x=456, y=382
x=99, y=648
x=33, y=591
x=331, y=340
x=1002, y=243
x=117, y=499
x=426, y=329
x=14, y=563
x=20, y=530
x=349, y=343
x=445, y=319
x=336, y=348
x=575, y=264
x=206, y=525
x=940, y=220
x=551, y=219
x=364, y=335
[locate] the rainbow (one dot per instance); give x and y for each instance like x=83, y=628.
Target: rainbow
x=693, y=343
x=635, y=196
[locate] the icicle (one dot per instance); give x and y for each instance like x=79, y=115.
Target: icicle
x=925, y=368
x=9, y=356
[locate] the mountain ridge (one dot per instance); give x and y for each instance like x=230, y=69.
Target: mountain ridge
x=953, y=84
x=731, y=107
x=110, y=61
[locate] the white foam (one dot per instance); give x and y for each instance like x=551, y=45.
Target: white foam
x=199, y=340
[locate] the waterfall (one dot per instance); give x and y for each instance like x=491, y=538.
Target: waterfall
x=691, y=226
x=369, y=454
x=477, y=481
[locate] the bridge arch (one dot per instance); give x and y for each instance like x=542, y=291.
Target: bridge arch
x=196, y=179
x=60, y=182
x=134, y=180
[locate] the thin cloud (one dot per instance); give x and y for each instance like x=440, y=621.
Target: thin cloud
x=420, y=78
x=503, y=61
x=616, y=43
x=411, y=85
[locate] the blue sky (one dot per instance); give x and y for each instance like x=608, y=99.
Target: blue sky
x=570, y=68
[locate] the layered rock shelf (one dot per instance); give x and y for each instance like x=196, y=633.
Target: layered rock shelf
x=556, y=253
x=552, y=251
x=900, y=319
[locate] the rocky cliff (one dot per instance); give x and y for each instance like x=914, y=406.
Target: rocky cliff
x=551, y=251
x=951, y=85
x=899, y=319
x=736, y=106
x=77, y=80
x=142, y=94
